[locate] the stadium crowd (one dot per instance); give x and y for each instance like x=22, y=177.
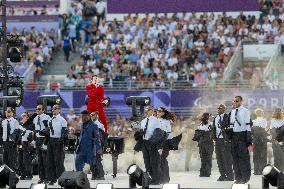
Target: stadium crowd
x=39, y=47
x=163, y=48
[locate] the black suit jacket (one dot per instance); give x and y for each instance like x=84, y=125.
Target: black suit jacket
x=225, y=124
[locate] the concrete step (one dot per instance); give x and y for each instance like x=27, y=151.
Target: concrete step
x=59, y=67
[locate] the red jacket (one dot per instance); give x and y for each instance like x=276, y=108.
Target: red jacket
x=96, y=97
x=95, y=102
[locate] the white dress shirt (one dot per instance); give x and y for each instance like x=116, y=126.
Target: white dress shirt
x=240, y=119
x=26, y=135
x=100, y=125
x=276, y=123
x=153, y=124
x=166, y=126
x=58, y=122
x=260, y=122
x=40, y=126
x=205, y=127
x=217, y=125
x=14, y=124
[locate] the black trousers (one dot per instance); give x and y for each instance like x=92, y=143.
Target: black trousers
x=98, y=169
x=10, y=155
x=241, y=159
x=278, y=154
x=66, y=50
x=21, y=168
x=27, y=160
x=224, y=158
x=42, y=158
x=259, y=157
x=165, y=175
x=152, y=160
x=55, y=159
x=206, y=151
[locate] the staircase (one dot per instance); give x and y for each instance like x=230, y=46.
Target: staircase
x=59, y=67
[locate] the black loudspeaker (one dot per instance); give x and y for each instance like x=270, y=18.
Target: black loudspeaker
x=71, y=179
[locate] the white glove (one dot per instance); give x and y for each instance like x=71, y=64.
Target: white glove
x=44, y=147
x=86, y=168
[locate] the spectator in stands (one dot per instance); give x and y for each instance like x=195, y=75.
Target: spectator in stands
x=69, y=81
x=100, y=8
x=163, y=44
x=67, y=46
x=71, y=115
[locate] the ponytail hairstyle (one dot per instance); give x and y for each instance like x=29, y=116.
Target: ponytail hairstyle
x=168, y=115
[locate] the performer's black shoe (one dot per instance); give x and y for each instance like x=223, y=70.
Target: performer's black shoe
x=229, y=179
x=221, y=178
x=22, y=178
x=153, y=182
x=41, y=181
x=113, y=175
x=52, y=182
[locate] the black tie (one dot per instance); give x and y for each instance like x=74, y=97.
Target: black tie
x=38, y=123
x=8, y=129
x=219, y=126
x=236, y=119
x=50, y=125
x=146, y=127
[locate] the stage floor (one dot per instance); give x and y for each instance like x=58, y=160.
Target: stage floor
x=185, y=179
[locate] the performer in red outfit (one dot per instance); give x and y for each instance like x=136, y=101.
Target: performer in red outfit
x=96, y=101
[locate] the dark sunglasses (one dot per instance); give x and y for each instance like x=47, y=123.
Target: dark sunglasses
x=38, y=109
x=55, y=108
x=236, y=101
x=9, y=111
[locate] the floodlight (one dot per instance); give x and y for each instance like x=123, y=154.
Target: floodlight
x=49, y=100
x=11, y=101
x=138, y=176
x=8, y=177
x=272, y=176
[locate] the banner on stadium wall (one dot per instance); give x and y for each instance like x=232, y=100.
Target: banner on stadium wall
x=170, y=6
x=168, y=98
x=259, y=51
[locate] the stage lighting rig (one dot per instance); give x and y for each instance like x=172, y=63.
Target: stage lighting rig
x=74, y=180
x=12, y=47
x=272, y=176
x=8, y=177
x=49, y=100
x=138, y=176
x=135, y=101
x=11, y=101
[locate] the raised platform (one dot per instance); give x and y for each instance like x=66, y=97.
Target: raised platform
x=185, y=179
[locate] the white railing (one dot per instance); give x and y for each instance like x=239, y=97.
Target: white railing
x=234, y=63
x=273, y=62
